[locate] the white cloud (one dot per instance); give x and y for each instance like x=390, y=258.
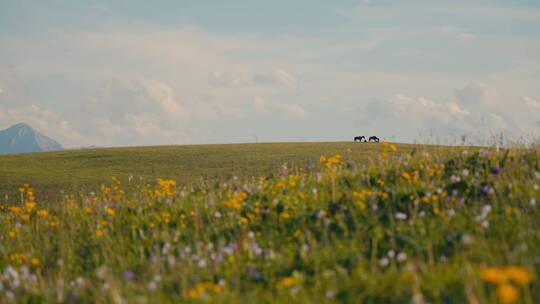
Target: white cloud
x=45, y=121
x=474, y=93
x=534, y=104
x=413, y=114
x=137, y=111
x=288, y=109
x=279, y=76
x=230, y=79
x=238, y=79
x=465, y=37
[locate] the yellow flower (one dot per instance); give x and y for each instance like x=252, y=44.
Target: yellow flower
x=25, y=217
x=332, y=163
x=88, y=210
x=393, y=148
x=166, y=188
x=507, y=293
x=12, y=234
x=35, y=262
x=29, y=206
x=15, y=209
x=518, y=275
x=110, y=212
x=233, y=204
x=200, y=289
x=99, y=233
x=286, y=282
x=235, y=201
x=406, y=176
x=43, y=213
x=493, y=275
x=196, y=292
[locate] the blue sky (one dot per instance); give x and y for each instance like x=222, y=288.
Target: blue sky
x=114, y=73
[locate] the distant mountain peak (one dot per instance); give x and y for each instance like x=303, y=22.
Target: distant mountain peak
x=22, y=138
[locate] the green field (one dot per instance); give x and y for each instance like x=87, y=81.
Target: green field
x=88, y=169
x=378, y=223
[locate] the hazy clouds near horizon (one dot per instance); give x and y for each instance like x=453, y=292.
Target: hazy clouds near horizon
x=112, y=73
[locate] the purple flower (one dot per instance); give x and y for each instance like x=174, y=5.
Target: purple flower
x=495, y=170
x=129, y=275
x=487, y=189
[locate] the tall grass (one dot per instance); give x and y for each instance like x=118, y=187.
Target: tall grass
x=415, y=227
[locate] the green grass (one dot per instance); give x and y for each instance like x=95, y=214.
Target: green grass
x=77, y=170
x=437, y=225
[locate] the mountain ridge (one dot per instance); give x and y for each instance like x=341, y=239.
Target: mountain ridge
x=22, y=138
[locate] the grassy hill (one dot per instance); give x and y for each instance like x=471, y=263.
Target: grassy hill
x=88, y=169
x=379, y=224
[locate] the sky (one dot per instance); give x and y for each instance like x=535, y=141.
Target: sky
x=129, y=73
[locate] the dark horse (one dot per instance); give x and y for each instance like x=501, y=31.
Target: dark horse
x=360, y=139
x=373, y=139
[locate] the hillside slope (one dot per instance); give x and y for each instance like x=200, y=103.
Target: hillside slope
x=78, y=169
x=435, y=227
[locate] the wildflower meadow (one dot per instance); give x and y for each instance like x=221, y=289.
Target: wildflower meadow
x=460, y=226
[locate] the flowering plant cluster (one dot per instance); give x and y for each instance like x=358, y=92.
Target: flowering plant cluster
x=452, y=227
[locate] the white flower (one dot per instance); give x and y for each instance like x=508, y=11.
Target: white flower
x=101, y=272
x=467, y=239
x=391, y=253
x=401, y=257
x=79, y=281
x=400, y=216
x=384, y=262
x=465, y=172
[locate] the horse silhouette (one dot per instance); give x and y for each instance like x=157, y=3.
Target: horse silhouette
x=360, y=139
x=373, y=139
